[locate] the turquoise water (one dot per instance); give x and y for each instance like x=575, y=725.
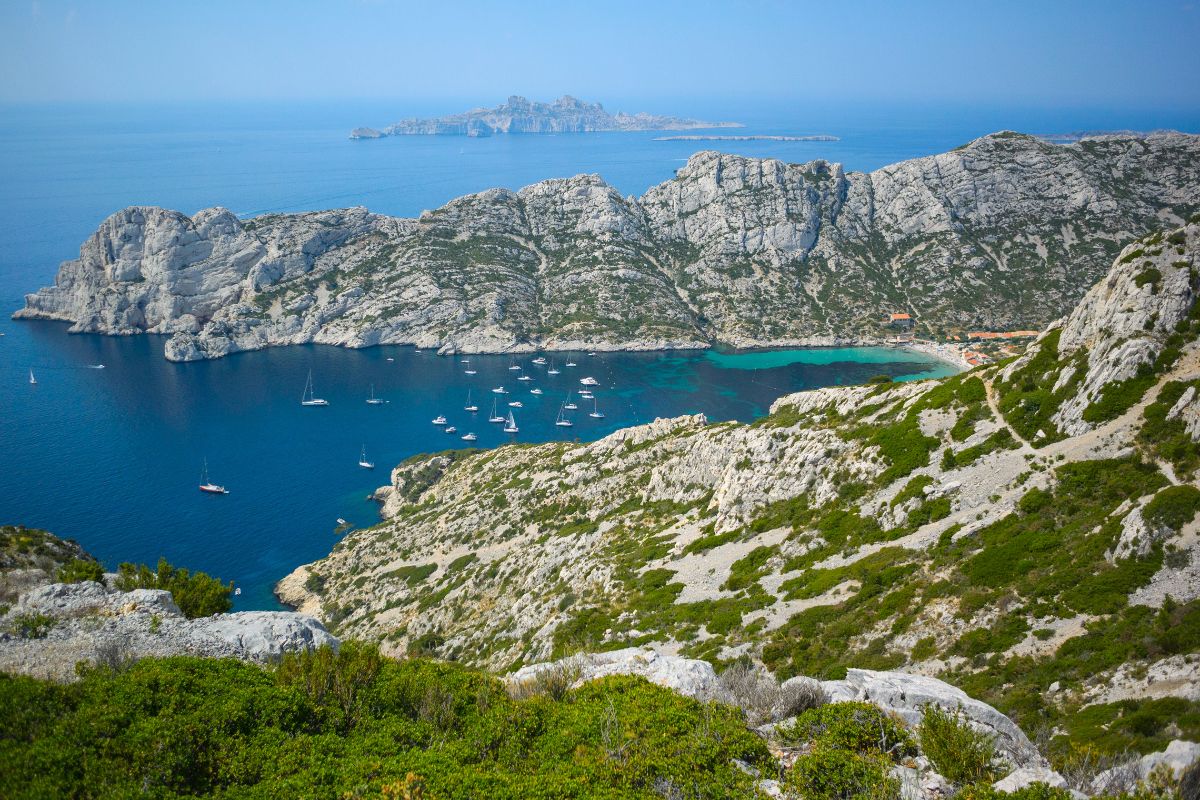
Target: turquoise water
x=112, y=457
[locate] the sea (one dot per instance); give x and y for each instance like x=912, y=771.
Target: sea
x=112, y=457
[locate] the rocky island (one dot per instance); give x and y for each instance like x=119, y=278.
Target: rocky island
x=1006, y=232
x=519, y=115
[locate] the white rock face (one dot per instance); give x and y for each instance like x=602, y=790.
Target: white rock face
x=1026, y=776
x=1178, y=756
x=732, y=250
x=688, y=676
x=907, y=695
x=94, y=623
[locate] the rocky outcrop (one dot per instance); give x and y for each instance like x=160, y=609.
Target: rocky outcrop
x=518, y=115
x=688, y=676
x=1176, y=759
x=54, y=627
x=907, y=696
x=1007, y=231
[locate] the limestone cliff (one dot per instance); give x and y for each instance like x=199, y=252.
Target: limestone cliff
x=1005, y=232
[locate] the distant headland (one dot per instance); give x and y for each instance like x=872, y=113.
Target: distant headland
x=747, y=138
x=519, y=115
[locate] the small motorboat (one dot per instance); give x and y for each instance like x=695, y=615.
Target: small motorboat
x=451, y=429
x=499, y=390
x=469, y=437
x=341, y=521
x=540, y=360
x=589, y=381
x=390, y=358
x=525, y=378
x=516, y=404
x=535, y=390
x=439, y=420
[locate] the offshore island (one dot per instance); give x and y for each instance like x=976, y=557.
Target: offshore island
x=519, y=115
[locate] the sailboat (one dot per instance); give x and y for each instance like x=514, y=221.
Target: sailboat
x=207, y=486
x=569, y=404
x=468, y=370
x=510, y=426
x=32, y=379
x=570, y=363
x=307, y=399
x=495, y=417
x=373, y=400
x=562, y=420
x=553, y=369
x=471, y=407
x=596, y=413
x=362, y=459
x=514, y=365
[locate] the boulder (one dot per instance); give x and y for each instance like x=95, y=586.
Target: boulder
x=688, y=676
x=1178, y=756
x=906, y=696
x=1027, y=776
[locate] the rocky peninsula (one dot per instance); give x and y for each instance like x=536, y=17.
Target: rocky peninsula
x=1006, y=232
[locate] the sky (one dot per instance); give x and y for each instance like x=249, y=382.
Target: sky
x=1048, y=53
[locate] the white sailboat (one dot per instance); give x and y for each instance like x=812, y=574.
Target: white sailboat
x=562, y=420
x=307, y=399
x=569, y=404
x=32, y=379
x=596, y=413
x=553, y=369
x=362, y=459
x=495, y=417
x=373, y=400
x=570, y=363
x=510, y=426
x=468, y=370
x=514, y=365
x=470, y=407
x=208, y=486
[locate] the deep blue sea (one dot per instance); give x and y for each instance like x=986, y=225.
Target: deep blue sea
x=112, y=457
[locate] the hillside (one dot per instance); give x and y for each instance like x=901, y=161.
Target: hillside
x=1005, y=232
x=1026, y=530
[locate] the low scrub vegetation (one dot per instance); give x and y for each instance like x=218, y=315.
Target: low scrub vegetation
x=196, y=593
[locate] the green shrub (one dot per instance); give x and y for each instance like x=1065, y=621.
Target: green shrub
x=829, y=773
x=1173, y=507
x=78, y=570
x=196, y=593
x=1035, y=791
x=854, y=726
x=32, y=626
x=960, y=753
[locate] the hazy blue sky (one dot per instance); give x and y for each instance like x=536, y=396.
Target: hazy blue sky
x=1140, y=53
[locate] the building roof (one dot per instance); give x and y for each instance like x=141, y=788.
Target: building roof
x=898, y=317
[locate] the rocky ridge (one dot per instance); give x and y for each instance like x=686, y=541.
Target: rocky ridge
x=1007, y=231
x=988, y=529
x=519, y=115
